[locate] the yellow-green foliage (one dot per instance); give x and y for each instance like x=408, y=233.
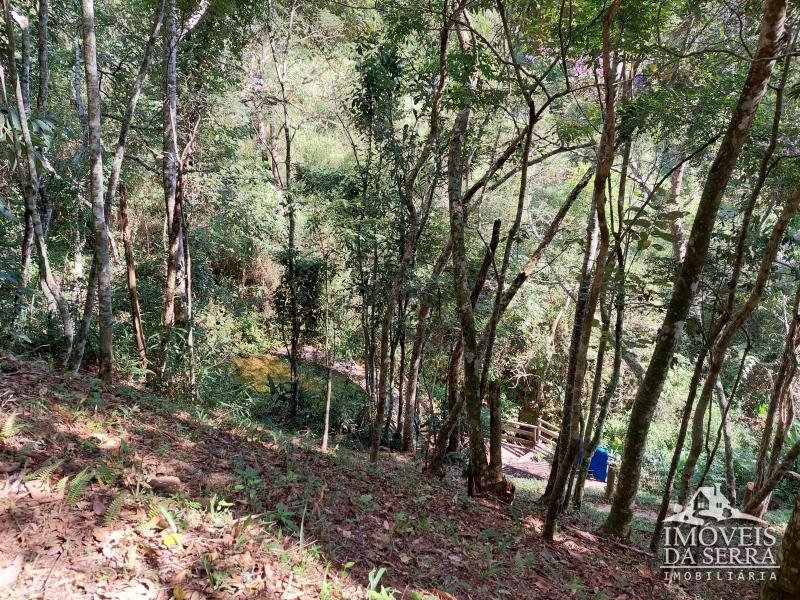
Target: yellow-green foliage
x=112, y=512
x=44, y=473
x=79, y=484
x=10, y=426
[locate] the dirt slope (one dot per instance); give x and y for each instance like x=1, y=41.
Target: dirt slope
x=172, y=503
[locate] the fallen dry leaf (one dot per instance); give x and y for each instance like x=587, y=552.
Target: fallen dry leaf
x=9, y=573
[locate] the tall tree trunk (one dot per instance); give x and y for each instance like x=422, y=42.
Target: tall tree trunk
x=384, y=350
x=456, y=397
x=454, y=392
x=720, y=349
x=411, y=238
x=329, y=356
x=102, y=242
x=187, y=282
x=116, y=170
x=85, y=322
x=686, y=417
x=401, y=389
x=130, y=265
x=174, y=275
x=725, y=432
x=424, y=310
x=766, y=461
x=495, y=431
x=609, y=391
x=605, y=161
x=676, y=224
x=770, y=39
x=27, y=239
x=41, y=105
x=30, y=191
x=593, y=420
x=589, y=256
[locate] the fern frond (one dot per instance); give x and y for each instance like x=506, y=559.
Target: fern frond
x=10, y=426
x=112, y=512
x=79, y=484
x=44, y=473
x=105, y=474
x=62, y=484
x=154, y=511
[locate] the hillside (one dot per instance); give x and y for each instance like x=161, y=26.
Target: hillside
x=183, y=503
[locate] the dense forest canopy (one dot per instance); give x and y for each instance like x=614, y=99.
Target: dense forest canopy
x=436, y=229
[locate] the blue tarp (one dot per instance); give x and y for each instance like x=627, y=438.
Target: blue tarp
x=598, y=465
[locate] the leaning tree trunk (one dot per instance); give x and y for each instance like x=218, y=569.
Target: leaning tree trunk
x=464, y=312
x=766, y=465
x=424, y=310
x=720, y=350
x=41, y=105
x=686, y=418
x=770, y=39
x=595, y=422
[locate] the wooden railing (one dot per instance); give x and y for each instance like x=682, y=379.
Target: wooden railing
x=528, y=434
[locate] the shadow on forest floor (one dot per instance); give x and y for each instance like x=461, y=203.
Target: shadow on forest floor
x=183, y=503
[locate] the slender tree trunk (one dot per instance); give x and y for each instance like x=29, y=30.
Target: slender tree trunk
x=725, y=429
x=456, y=394
x=41, y=104
x=384, y=391
x=102, y=243
x=770, y=40
x=605, y=161
x=610, y=389
x=174, y=275
x=495, y=431
x=464, y=312
x=424, y=311
x=25, y=63
x=676, y=223
x=30, y=191
x=412, y=235
x=589, y=256
x=766, y=461
x=329, y=358
x=116, y=169
x=187, y=281
x=401, y=389
x=130, y=264
x=581, y=470
x=720, y=350
x=686, y=417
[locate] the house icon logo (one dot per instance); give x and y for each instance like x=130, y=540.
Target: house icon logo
x=711, y=539
x=709, y=505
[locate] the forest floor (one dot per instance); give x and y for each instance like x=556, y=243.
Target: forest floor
x=112, y=493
